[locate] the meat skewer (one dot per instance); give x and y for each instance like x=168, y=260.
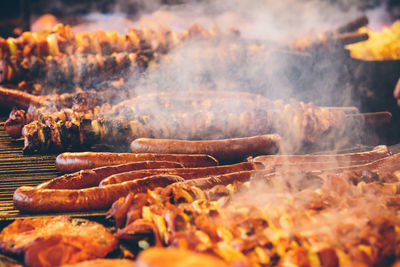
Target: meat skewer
x=54, y=107
x=71, y=71
x=63, y=59
x=167, y=117
x=63, y=41
x=344, y=35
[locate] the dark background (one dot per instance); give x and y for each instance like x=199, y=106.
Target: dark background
x=19, y=13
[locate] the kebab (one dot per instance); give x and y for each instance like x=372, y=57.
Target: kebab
x=71, y=71
x=28, y=108
x=61, y=58
x=336, y=39
x=215, y=115
x=63, y=41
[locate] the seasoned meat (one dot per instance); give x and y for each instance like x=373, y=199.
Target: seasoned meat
x=52, y=241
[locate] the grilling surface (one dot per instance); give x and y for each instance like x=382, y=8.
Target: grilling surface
x=23, y=170
x=18, y=170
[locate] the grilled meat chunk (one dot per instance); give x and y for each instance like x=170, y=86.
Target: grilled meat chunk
x=55, y=241
x=211, y=115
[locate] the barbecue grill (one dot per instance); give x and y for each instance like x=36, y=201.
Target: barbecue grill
x=18, y=170
x=363, y=78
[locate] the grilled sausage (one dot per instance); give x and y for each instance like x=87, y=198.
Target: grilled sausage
x=223, y=150
x=378, y=152
x=70, y=162
x=186, y=173
x=315, y=166
x=15, y=98
x=382, y=167
x=92, y=177
x=224, y=179
x=386, y=169
x=32, y=199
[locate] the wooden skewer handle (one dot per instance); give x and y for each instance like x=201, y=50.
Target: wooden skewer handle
x=372, y=118
x=351, y=38
x=354, y=25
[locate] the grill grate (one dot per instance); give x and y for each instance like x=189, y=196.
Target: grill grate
x=17, y=170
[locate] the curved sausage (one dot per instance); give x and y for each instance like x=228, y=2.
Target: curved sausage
x=223, y=150
x=224, y=179
x=186, y=173
x=17, y=98
x=92, y=177
x=378, y=152
x=385, y=166
x=32, y=199
x=71, y=162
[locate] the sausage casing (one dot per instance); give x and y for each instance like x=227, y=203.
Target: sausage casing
x=92, y=177
x=224, y=150
x=32, y=199
x=186, y=173
x=71, y=162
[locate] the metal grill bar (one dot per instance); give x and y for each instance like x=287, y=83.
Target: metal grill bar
x=24, y=170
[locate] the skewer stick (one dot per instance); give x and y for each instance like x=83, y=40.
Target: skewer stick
x=374, y=118
x=347, y=110
x=353, y=25
x=351, y=38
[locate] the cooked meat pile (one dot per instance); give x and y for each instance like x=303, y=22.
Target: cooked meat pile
x=56, y=241
x=196, y=115
x=295, y=219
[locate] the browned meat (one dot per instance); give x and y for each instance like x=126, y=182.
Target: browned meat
x=203, y=115
x=165, y=257
x=70, y=162
x=53, y=241
x=103, y=263
x=71, y=71
x=224, y=150
x=33, y=199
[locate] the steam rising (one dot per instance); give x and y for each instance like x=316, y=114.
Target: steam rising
x=323, y=216
x=258, y=63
